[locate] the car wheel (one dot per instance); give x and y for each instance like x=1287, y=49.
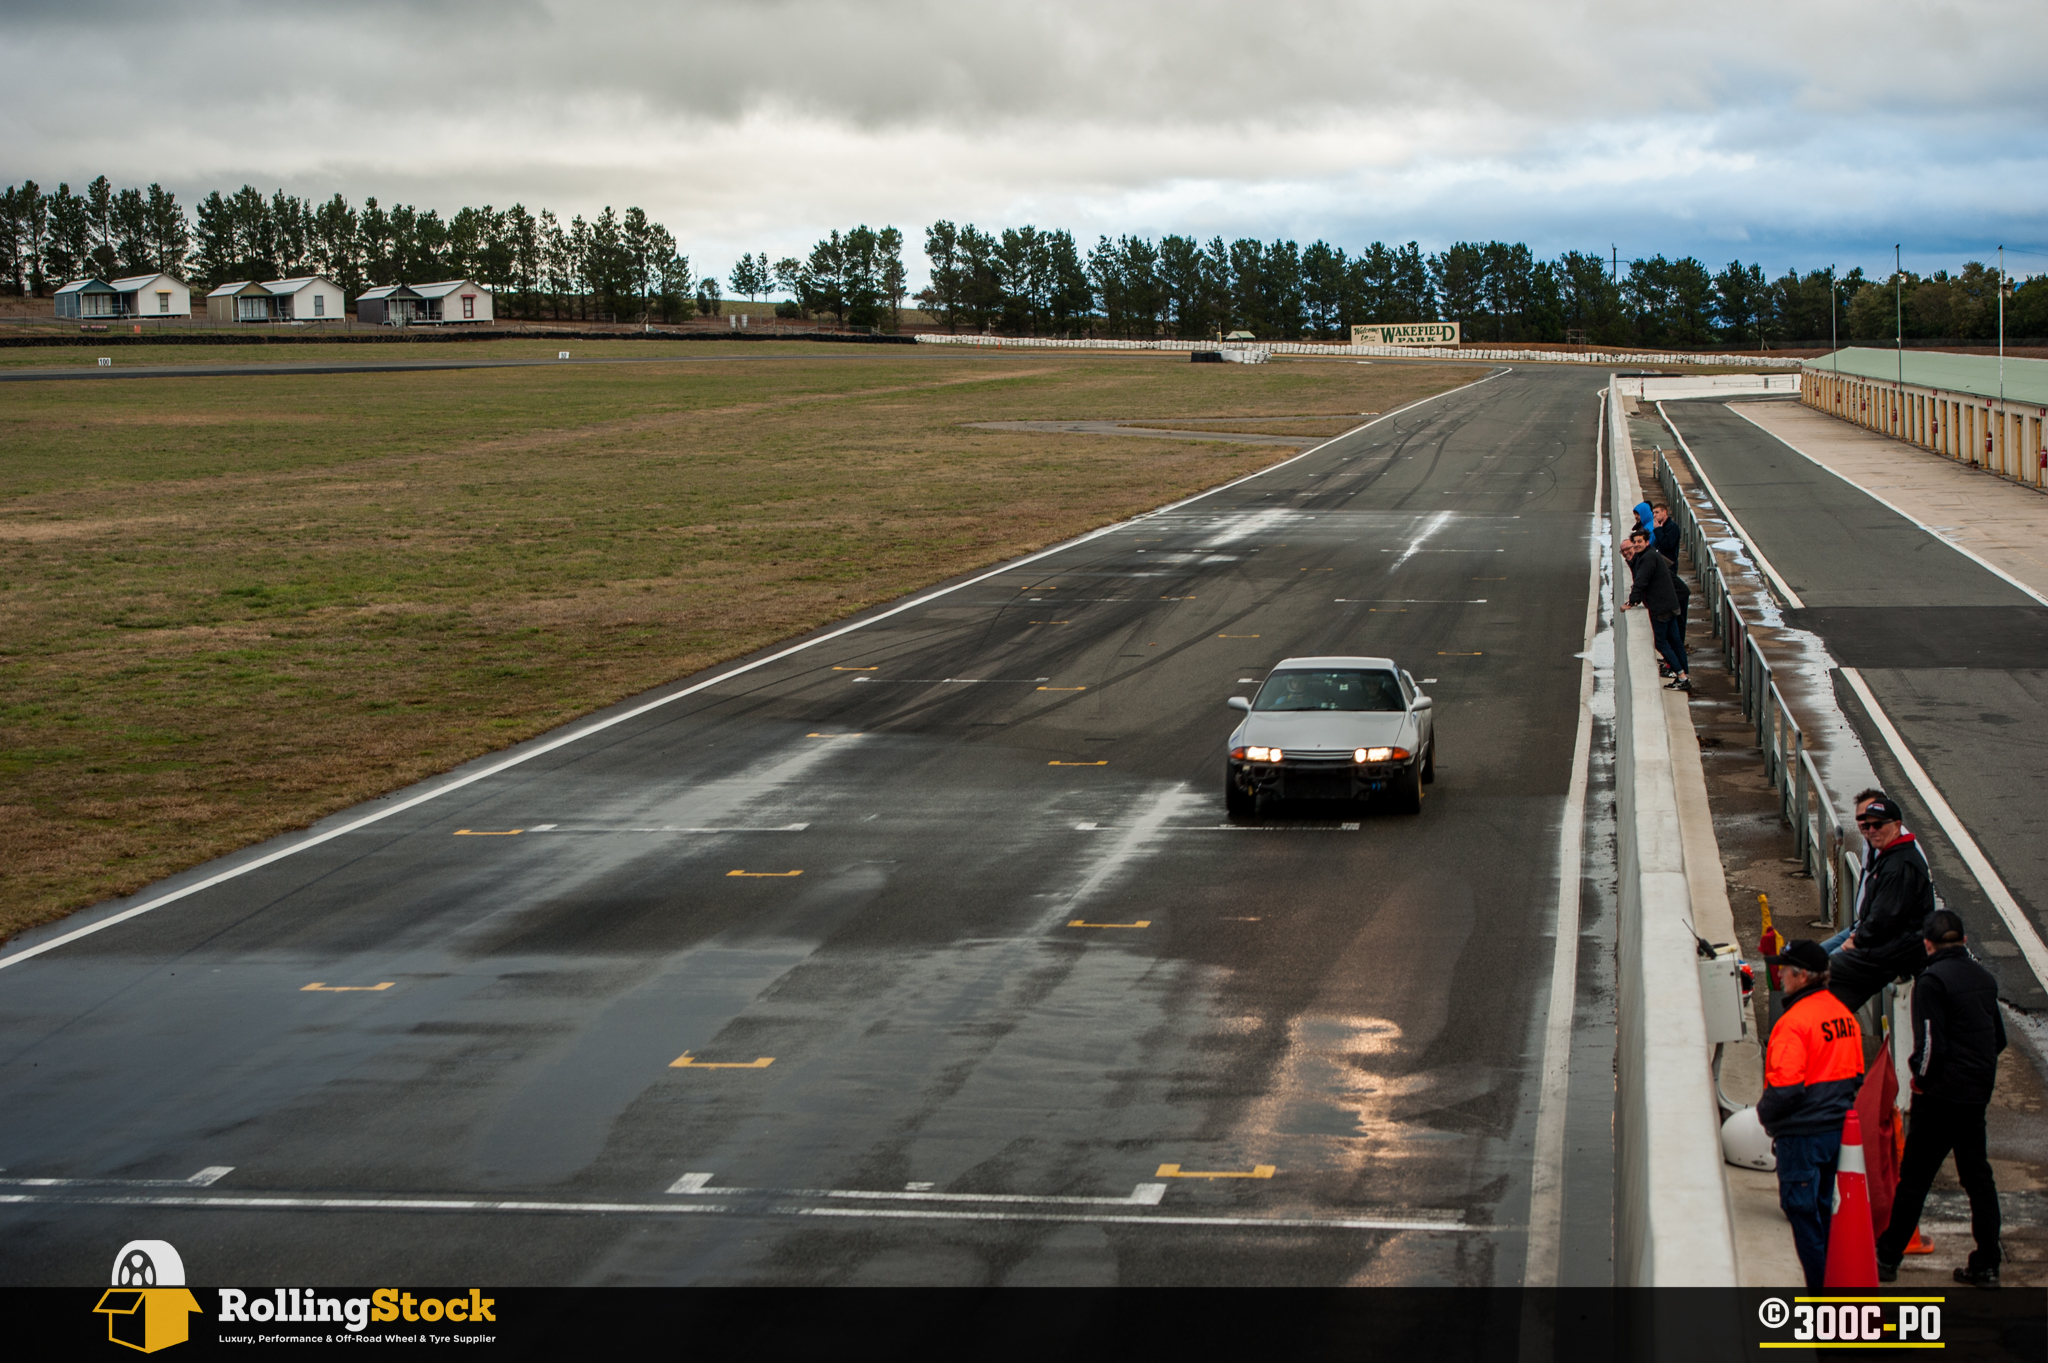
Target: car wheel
x=1406, y=794
x=1238, y=802
x=1429, y=764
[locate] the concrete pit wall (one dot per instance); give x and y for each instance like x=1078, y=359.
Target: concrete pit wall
x=1673, y=1224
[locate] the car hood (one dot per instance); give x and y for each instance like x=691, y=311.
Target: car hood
x=1325, y=730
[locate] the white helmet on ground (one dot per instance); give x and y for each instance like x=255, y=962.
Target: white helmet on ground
x=1744, y=1144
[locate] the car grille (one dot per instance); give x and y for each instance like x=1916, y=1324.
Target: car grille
x=1317, y=785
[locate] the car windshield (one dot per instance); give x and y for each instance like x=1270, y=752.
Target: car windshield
x=1319, y=690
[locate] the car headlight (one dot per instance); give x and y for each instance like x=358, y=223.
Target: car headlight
x=1263, y=754
x=1364, y=755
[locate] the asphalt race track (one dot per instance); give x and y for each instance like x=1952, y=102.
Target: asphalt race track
x=921, y=955
x=1956, y=656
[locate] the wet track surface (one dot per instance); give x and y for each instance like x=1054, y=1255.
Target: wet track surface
x=1956, y=656
x=924, y=955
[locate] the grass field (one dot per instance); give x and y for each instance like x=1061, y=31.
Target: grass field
x=387, y=350
x=229, y=606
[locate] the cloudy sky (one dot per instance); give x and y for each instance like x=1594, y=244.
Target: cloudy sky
x=1795, y=134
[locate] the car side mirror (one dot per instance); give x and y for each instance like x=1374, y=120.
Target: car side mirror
x=1423, y=703
x=1239, y=703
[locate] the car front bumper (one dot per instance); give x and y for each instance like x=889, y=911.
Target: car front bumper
x=1318, y=780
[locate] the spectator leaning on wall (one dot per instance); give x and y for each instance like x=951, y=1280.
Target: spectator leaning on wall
x=1886, y=942
x=1664, y=535
x=1813, y=1068
x=1862, y=802
x=1656, y=590
x=1957, y=1036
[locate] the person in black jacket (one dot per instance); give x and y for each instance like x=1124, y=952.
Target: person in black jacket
x=1886, y=942
x=1957, y=1035
x=1664, y=535
x=1655, y=589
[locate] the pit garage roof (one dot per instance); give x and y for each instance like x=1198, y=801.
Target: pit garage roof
x=2026, y=381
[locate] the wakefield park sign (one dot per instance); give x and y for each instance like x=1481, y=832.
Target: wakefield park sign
x=1411, y=333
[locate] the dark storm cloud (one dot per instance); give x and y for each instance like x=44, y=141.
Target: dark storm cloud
x=1829, y=124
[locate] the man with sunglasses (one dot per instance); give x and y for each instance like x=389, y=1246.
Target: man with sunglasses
x=1846, y=937
x=1899, y=896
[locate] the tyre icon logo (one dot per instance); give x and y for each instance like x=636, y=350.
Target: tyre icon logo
x=1773, y=1313
x=135, y=1269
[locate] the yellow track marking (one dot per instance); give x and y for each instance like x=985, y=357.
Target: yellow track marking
x=684, y=1062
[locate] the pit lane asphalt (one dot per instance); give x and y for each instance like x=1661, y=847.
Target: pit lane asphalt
x=952, y=897
x=1956, y=656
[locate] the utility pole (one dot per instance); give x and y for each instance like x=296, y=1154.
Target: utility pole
x=1834, y=345
x=2001, y=333
x=1614, y=269
x=1899, y=303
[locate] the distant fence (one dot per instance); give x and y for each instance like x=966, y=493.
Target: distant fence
x=1602, y=358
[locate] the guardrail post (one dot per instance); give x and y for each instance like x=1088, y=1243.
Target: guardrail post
x=1766, y=735
x=1802, y=834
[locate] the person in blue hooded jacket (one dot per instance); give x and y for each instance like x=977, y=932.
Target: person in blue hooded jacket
x=1647, y=518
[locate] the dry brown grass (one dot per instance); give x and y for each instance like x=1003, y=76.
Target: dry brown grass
x=1306, y=425
x=228, y=607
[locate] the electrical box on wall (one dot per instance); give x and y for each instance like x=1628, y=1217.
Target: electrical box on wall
x=1721, y=993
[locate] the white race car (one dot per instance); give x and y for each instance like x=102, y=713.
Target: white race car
x=1332, y=729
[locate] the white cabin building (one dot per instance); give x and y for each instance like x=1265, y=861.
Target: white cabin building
x=137, y=296
x=309, y=298
x=454, y=300
x=154, y=295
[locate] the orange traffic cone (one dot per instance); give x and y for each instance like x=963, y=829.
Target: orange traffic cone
x=1852, y=1243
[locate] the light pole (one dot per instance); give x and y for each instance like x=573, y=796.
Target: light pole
x=2001, y=333
x=1834, y=344
x=1899, y=317
x=2002, y=433
x=1899, y=306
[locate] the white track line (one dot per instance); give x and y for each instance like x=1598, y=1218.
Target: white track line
x=205, y=1178
x=2016, y=921
x=1970, y=554
x=1791, y=597
x=448, y=1204
x=1546, y=1174
x=538, y=749
x=1143, y=1195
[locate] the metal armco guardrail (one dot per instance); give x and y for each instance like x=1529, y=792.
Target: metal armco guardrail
x=1822, y=839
